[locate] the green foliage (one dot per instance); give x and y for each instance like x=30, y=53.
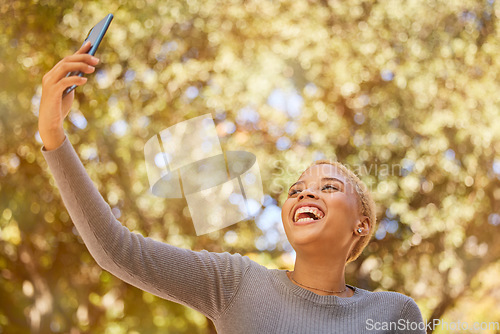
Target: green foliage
x=404, y=92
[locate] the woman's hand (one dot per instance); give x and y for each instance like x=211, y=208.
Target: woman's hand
x=54, y=108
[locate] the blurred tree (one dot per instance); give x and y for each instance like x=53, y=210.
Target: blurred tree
x=405, y=93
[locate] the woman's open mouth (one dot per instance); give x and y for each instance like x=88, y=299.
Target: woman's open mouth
x=307, y=214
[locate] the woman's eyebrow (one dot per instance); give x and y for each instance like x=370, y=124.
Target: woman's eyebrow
x=332, y=179
x=295, y=184
x=323, y=179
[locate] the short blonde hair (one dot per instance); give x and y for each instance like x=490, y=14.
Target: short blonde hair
x=366, y=203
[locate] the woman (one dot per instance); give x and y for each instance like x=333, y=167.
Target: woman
x=328, y=217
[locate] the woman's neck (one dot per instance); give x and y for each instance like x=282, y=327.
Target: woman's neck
x=317, y=277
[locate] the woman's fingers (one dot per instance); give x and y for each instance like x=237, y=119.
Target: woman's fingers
x=81, y=62
x=70, y=81
x=86, y=58
x=65, y=68
x=80, y=58
x=77, y=57
x=84, y=49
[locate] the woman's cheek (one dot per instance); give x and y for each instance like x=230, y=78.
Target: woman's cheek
x=284, y=210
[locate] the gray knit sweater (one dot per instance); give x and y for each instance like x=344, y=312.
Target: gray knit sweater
x=236, y=293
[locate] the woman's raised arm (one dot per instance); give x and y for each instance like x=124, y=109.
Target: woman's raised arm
x=204, y=281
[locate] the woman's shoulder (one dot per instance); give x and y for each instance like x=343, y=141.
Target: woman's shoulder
x=386, y=296
x=396, y=303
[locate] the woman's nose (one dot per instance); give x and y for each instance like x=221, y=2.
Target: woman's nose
x=306, y=193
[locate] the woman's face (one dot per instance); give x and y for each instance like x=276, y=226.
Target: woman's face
x=321, y=212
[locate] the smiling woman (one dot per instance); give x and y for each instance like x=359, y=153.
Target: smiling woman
x=335, y=177
x=328, y=217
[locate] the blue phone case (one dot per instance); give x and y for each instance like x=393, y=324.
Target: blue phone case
x=95, y=37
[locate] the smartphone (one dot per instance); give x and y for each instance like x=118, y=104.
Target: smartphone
x=95, y=36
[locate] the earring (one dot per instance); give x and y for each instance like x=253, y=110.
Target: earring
x=360, y=230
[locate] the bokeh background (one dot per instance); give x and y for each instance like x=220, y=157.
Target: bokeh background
x=404, y=92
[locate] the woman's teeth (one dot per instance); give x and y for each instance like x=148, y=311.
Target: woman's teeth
x=317, y=213
x=305, y=220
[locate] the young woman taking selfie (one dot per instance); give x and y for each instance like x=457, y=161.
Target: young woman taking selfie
x=328, y=217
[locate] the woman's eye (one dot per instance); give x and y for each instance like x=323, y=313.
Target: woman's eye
x=330, y=187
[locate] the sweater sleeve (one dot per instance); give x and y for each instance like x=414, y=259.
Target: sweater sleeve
x=205, y=281
x=411, y=321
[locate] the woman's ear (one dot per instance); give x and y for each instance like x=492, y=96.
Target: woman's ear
x=363, y=226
